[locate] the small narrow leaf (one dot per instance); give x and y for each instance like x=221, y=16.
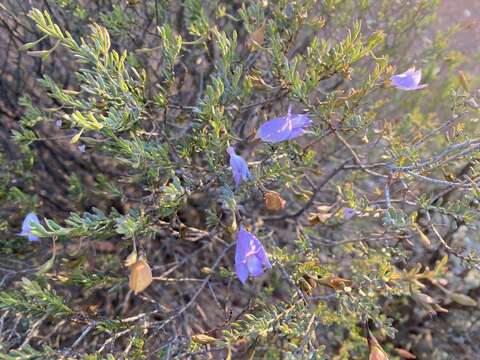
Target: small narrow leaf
x=463, y=299
x=76, y=137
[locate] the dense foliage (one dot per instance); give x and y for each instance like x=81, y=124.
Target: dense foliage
x=121, y=124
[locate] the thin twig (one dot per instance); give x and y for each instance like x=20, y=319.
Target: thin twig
x=310, y=201
x=199, y=290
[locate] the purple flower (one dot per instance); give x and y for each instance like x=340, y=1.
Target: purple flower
x=26, y=230
x=58, y=123
x=409, y=80
x=81, y=148
x=250, y=256
x=348, y=213
x=284, y=128
x=239, y=167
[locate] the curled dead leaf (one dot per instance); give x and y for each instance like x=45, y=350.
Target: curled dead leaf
x=335, y=282
x=405, y=353
x=92, y=309
x=318, y=218
x=256, y=37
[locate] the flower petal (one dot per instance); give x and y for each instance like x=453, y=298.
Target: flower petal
x=416, y=76
x=284, y=128
x=301, y=121
x=250, y=256
x=239, y=167
x=243, y=245
x=260, y=253
x=242, y=271
x=422, y=86
x=26, y=229
x=409, y=80
x=254, y=266
x=296, y=133
x=403, y=82
x=348, y=213
x=275, y=130
x=33, y=238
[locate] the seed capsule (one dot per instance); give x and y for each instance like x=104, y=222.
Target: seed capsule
x=273, y=201
x=131, y=259
x=203, y=339
x=140, y=276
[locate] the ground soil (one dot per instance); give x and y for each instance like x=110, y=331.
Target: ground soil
x=465, y=13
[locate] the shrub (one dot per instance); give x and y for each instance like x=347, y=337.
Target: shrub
x=172, y=148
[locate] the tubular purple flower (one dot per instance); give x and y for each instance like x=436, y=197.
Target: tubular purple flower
x=82, y=148
x=26, y=230
x=239, y=167
x=250, y=256
x=284, y=128
x=409, y=80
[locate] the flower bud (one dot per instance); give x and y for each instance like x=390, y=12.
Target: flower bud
x=273, y=201
x=256, y=38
